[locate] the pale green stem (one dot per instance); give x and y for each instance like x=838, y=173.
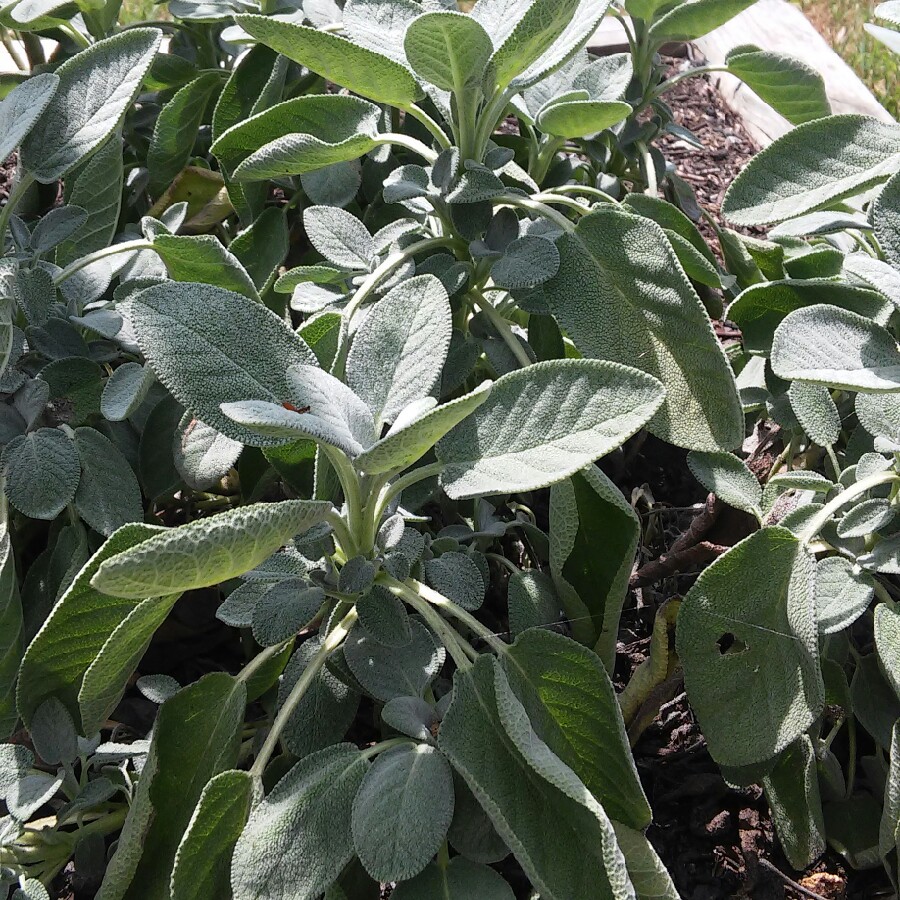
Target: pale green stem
x=387, y=268
x=582, y=189
x=851, y=493
x=452, y=609
x=331, y=643
x=410, y=143
x=439, y=625
x=434, y=129
x=112, y=250
x=260, y=660
x=13, y=50
x=352, y=494
x=533, y=206
x=18, y=191
x=503, y=329
x=345, y=539
x=384, y=746
x=395, y=488
x=649, y=169
x=669, y=83
x=568, y=202
x=832, y=458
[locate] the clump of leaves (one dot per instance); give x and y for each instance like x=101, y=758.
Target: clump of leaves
x=344, y=361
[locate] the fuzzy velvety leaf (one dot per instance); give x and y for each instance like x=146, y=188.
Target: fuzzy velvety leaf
x=837, y=348
x=22, y=107
x=843, y=593
x=300, y=135
x=176, y=130
x=728, y=477
x=573, y=708
x=694, y=18
x=76, y=632
x=11, y=636
x=203, y=456
x=362, y=71
x=284, y=609
x=210, y=346
x=580, y=118
x=108, y=675
x=558, y=832
x=816, y=411
x=389, y=672
x=402, y=811
x=792, y=789
x=208, y=551
x=887, y=221
x=879, y=414
x=526, y=262
x=750, y=657
x=196, y=736
x=409, y=440
x=204, y=257
x=96, y=87
x=98, y=190
x=42, y=472
x=622, y=296
x=203, y=861
x=449, y=50
x=462, y=879
x=542, y=424
x=325, y=711
x=865, y=518
x=887, y=642
x=456, y=576
x=787, y=84
x=262, y=247
x=532, y=601
x=592, y=587
x=813, y=167
x=339, y=236
x=648, y=875
x=383, y=616
x=298, y=839
x=398, y=352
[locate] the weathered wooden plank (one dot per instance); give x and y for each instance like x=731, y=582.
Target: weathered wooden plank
x=780, y=26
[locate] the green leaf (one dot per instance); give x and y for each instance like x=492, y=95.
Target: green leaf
x=544, y=423
x=532, y=601
x=107, y=677
x=557, y=831
x=460, y=880
x=96, y=87
x=203, y=860
x=573, y=709
x=210, y=346
x=837, y=348
x=417, y=431
x=645, y=9
x=792, y=789
x=402, y=811
x=284, y=609
x=11, y=635
x=457, y=577
x=108, y=494
x=750, y=657
x=787, y=84
x=887, y=221
x=526, y=263
x=695, y=18
x=580, y=118
x=879, y=414
x=865, y=518
x=98, y=190
x=76, y=631
x=325, y=711
x=204, y=256
x=298, y=839
x=875, y=273
x=207, y=551
x=22, y=107
x=340, y=237
x=202, y=456
x=816, y=411
x=176, y=130
x=761, y=308
x=299, y=135
x=889, y=837
x=586, y=509
x=729, y=478
x=449, y=50
x=887, y=642
x=648, y=875
x=621, y=296
x=196, y=736
x=399, y=351
x=843, y=593
x=389, y=672
x=42, y=472
x=262, y=247
x=383, y=616
x=813, y=167
x=336, y=59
